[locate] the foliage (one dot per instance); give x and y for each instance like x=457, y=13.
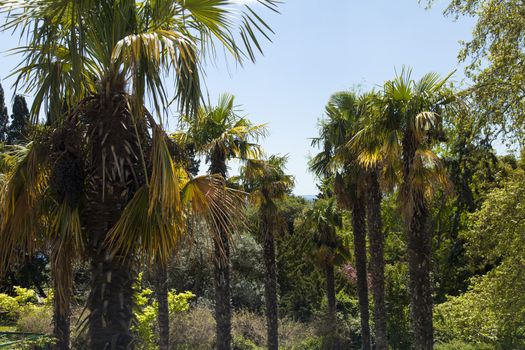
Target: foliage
x=20, y=121
x=146, y=310
x=194, y=329
x=12, y=307
x=299, y=279
x=459, y=345
x=36, y=319
x=494, y=55
x=492, y=311
x=240, y=343
x=4, y=116
x=192, y=268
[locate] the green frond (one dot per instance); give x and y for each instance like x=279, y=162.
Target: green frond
x=220, y=127
x=147, y=231
x=68, y=46
x=266, y=181
x=222, y=208
x=67, y=238
x=164, y=185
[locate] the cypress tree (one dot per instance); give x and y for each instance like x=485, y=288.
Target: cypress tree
x=4, y=117
x=17, y=130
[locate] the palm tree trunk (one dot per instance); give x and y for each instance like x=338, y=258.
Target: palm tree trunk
x=377, y=261
x=114, y=174
x=222, y=267
x=270, y=285
x=62, y=302
x=331, y=312
x=111, y=298
x=419, y=267
x=419, y=248
x=359, y=228
x=61, y=327
x=222, y=292
x=161, y=291
x=110, y=302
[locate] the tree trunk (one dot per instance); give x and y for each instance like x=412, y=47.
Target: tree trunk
x=331, y=312
x=359, y=228
x=110, y=302
x=419, y=247
x=62, y=302
x=419, y=266
x=114, y=172
x=161, y=291
x=377, y=261
x=222, y=267
x=270, y=285
x=222, y=292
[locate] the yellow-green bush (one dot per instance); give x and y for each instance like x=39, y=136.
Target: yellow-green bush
x=12, y=307
x=146, y=310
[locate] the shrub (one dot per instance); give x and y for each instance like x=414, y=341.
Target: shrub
x=193, y=329
x=492, y=311
x=36, y=319
x=311, y=343
x=460, y=345
x=250, y=326
x=293, y=333
x=9, y=308
x=13, y=307
x=240, y=343
x=146, y=310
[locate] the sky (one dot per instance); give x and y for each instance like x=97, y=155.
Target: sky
x=321, y=47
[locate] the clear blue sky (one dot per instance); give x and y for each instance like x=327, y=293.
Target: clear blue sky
x=321, y=47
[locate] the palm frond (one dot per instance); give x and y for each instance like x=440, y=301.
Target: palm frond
x=222, y=208
x=164, y=183
x=20, y=203
x=68, y=243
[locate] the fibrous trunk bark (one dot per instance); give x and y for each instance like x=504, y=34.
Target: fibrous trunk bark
x=222, y=292
x=419, y=254
x=62, y=302
x=270, y=285
x=222, y=267
x=115, y=171
x=110, y=302
x=377, y=261
x=419, y=266
x=161, y=291
x=359, y=228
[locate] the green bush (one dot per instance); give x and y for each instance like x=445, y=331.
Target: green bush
x=460, y=345
x=240, y=343
x=146, y=310
x=311, y=343
x=9, y=308
x=23, y=307
x=36, y=319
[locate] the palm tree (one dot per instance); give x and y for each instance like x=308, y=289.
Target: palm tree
x=329, y=251
x=409, y=125
x=267, y=183
x=344, y=112
x=219, y=133
x=381, y=165
x=107, y=156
